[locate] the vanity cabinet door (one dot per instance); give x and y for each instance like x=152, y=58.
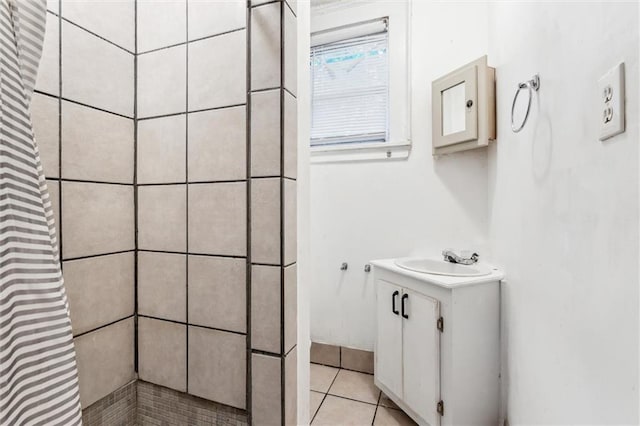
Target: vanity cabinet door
x=388, y=353
x=421, y=355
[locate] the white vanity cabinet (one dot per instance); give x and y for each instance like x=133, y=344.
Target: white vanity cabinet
x=437, y=344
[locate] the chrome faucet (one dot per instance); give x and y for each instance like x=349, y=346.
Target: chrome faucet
x=450, y=256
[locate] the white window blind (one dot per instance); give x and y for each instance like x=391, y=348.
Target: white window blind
x=350, y=86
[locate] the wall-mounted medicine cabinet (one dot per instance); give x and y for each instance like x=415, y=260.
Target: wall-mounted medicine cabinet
x=464, y=108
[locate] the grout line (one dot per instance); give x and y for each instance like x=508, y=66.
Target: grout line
x=91, y=256
x=78, y=102
x=136, y=340
x=264, y=4
x=318, y=409
x=290, y=350
x=282, y=221
x=96, y=35
x=265, y=353
x=201, y=182
x=99, y=182
x=173, y=114
x=266, y=89
x=184, y=253
x=291, y=9
x=248, y=264
x=313, y=415
x=325, y=397
x=186, y=172
x=183, y=43
x=59, y=97
x=103, y=326
x=292, y=95
x=377, y=405
x=186, y=324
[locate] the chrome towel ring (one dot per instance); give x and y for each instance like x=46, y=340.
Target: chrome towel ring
x=531, y=85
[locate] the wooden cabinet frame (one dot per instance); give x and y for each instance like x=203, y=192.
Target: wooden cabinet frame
x=480, y=108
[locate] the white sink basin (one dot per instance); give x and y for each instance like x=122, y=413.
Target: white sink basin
x=440, y=267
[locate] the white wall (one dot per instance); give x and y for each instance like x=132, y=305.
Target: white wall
x=367, y=210
x=563, y=215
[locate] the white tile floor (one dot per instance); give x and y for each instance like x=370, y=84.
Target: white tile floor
x=343, y=397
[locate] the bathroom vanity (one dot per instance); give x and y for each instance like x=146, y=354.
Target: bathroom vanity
x=437, y=342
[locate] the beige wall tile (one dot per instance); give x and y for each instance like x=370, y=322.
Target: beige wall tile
x=162, y=285
x=96, y=145
x=100, y=290
x=217, y=366
x=355, y=359
x=162, y=356
x=48, y=79
x=161, y=23
x=217, y=293
x=54, y=194
x=161, y=217
x=265, y=308
x=162, y=149
x=325, y=354
x=265, y=221
x=265, y=133
x=290, y=51
x=265, y=46
x=96, y=218
x=105, y=360
x=291, y=388
x=290, y=136
x=266, y=391
x=218, y=218
x=290, y=307
x=290, y=222
x=113, y=20
x=95, y=72
x=162, y=84
x=207, y=17
x=218, y=80
x=45, y=114
x=218, y=145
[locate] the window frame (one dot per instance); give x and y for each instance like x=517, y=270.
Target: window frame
x=397, y=14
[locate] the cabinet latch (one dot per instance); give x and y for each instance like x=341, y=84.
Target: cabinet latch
x=440, y=324
x=440, y=407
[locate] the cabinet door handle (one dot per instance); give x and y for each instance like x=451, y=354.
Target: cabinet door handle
x=393, y=302
x=404, y=297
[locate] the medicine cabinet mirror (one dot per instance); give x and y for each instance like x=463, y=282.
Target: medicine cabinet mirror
x=464, y=108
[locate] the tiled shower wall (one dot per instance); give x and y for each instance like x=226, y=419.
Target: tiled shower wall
x=216, y=202
x=174, y=147
x=83, y=115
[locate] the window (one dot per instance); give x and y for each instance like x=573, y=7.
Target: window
x=360, y=74
x=350, y=85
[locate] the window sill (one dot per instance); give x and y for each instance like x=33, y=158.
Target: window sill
x=361, y=152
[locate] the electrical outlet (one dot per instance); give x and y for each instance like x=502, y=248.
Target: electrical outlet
x=611, y=86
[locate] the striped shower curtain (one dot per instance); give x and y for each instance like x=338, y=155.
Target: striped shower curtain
x=38, y=374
